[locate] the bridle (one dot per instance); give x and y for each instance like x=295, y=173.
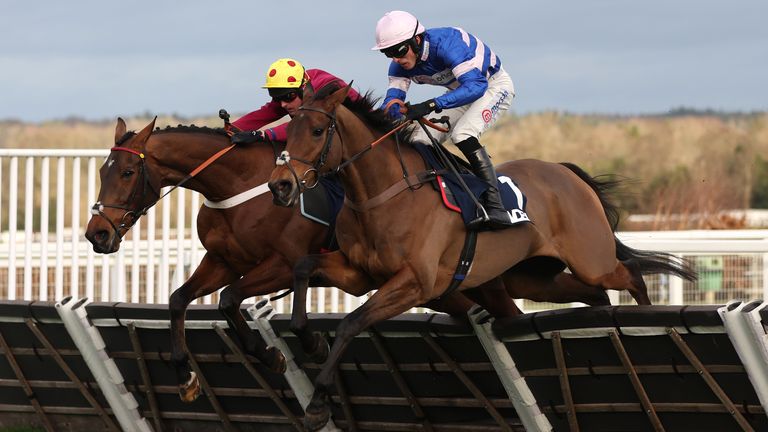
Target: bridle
x=131, y=215
x=314, y=167
x=134, y=214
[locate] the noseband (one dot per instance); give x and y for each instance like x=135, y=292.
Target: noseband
x=314, y=167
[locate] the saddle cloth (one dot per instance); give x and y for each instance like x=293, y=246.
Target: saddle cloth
x=456, y=198
x=322, y=204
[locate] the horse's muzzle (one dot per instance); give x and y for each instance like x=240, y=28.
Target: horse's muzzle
x=103, y=241
x=284, y=192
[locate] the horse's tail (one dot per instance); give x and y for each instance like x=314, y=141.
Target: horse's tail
x=603, y=186
x=650, y=262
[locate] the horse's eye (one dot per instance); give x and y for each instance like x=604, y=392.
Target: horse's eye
x=127, y=173
x=317, y=132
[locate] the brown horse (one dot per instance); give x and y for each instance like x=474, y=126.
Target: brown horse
x=251, y=247
x=407, y=246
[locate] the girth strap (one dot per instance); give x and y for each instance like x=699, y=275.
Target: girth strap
x=466, y=258
x=405, y=183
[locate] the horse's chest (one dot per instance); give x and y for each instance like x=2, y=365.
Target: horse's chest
x=222, y=239
x=374, y=260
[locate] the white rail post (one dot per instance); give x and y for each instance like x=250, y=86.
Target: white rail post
x=29, y=199
x=302, y=387
x=151, y=220
x=744, y=327
x=135, y=258
x=13, y=197
x=59, y=278
x=45, y=188
x=180, y=222
x=513, y=381
x=111, y=382
x=74, y=269
x=89, y=260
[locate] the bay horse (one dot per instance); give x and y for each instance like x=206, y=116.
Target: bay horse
x=405, y=244
x=250, y=248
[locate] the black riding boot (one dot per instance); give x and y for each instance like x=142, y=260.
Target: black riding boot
x=498, y=217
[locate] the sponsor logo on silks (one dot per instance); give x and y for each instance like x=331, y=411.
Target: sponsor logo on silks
x=441, y=78
x=495, y=107
x=491, y=114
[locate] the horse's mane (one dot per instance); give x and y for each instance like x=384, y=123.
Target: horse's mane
x=180, y=128
x=365, y=107
x=191, y=129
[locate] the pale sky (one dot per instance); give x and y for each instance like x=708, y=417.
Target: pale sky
x=103, y=59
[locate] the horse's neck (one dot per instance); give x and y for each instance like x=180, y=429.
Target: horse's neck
x=178, y=154
x=377, y=170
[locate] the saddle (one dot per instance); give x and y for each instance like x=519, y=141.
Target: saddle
x=456, y=198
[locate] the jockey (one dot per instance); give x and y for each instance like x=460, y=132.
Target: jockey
x=479, y=91
x=286, y=81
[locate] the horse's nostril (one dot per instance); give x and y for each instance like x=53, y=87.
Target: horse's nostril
x=284, y=186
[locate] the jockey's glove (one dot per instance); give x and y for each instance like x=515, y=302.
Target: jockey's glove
x=248, y=137
x=421, y=109
x=394, y=111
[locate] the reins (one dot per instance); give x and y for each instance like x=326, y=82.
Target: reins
x=408, y=181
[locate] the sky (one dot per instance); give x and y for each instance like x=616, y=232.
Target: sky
x=102, y=59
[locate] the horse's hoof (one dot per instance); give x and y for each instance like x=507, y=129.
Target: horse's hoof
x=190, y=391
x=320, y=354
x=278, y=364
x=317, y=415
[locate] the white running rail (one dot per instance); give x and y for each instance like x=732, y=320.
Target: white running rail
x=45, y=197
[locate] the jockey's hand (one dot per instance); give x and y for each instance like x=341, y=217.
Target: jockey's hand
x=421, y=109
x=248, y=137
x=395, y=111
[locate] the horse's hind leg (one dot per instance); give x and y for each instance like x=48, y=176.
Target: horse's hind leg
x=494, y=298
x=268, y=277
x=209, y=276
x=626, y=275
x=637, y=289
x=561, y=287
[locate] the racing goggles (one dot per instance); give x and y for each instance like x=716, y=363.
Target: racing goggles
x=286, y=97
x=397, y=51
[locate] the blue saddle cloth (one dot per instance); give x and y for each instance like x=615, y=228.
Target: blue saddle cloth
x=511, y=196
x=322, y=204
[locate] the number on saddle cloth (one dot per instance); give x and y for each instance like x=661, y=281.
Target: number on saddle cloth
x=456, y=198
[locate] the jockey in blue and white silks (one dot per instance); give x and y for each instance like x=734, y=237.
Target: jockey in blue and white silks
x=478, y=90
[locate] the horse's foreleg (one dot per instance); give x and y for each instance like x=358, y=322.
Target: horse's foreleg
x=268, y=277
x=394, y=297
x=209, y=276
x=331, y=269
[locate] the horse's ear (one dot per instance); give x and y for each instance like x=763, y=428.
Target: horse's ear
x=120, y=129
x=339, y=95
x=146, y=132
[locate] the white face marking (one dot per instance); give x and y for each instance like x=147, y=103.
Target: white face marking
x=110, y=161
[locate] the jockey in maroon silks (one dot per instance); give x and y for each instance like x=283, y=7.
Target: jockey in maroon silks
x=286, y=81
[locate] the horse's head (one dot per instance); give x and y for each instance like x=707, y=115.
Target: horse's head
x=311, y=134
x=127, y=190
